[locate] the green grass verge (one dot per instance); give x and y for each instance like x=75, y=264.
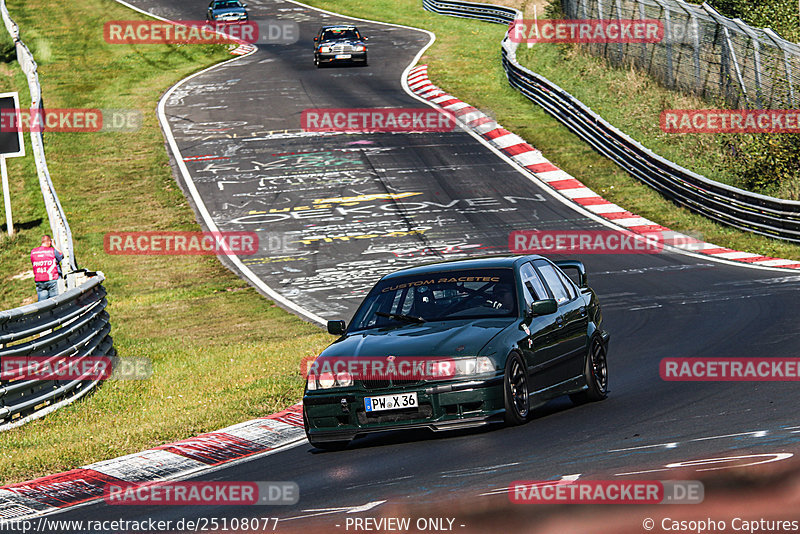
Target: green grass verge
x=221, y=353
x=465, y=61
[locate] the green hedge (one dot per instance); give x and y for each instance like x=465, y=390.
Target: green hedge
x=783, y=16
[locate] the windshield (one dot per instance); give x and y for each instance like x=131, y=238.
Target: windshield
x=328, y=35
x=227, y=4
x=465, y=294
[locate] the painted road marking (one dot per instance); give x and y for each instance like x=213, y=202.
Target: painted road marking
x=672, y=445
x=341, y=510
x=471, y=471
x=767, y=458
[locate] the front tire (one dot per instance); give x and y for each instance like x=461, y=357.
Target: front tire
x=596, y=375
x=515, y=388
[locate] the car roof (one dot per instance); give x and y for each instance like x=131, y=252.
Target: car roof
x=340, y=27
x=486, y=262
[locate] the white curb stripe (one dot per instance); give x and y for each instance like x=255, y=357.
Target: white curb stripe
x=486, y=127
x=532, y=158
x=432, y=92
x=634, y=221
x=776, y=263
x=505, y=141
x=457, y=106
x=736, y=255
x=605, y=208
x=146, y=465
x=579, y=192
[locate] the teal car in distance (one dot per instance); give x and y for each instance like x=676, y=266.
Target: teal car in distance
x=458, y=344
x=227, y=11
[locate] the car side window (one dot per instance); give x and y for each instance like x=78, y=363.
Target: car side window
x=534, y=288
x=553, y=281
x=570, y=287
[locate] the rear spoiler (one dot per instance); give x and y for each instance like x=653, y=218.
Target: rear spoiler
x=578, y=266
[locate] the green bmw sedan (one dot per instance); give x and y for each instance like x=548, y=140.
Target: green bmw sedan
x=458, y=344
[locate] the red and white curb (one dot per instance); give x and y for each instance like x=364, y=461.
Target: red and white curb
x=243, y=48
x=167, y=462
x=567, y=185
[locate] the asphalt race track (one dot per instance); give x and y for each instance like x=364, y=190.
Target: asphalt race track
x=406, y=198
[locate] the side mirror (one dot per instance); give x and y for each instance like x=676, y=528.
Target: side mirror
x=316, y=39
x=365, y=38
x=543, y=307
x=579, y=268
x=337, y=328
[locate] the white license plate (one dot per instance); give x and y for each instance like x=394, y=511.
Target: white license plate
x=343, y=56
x=390, y=402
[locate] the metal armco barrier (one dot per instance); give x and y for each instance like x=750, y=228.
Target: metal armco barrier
x=735, y=207
x=73, y=325
x=484, y=12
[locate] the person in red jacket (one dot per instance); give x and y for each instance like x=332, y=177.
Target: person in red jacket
x=46, y=268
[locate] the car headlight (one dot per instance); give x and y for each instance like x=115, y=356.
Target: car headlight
x=360, y=48
x=344, y=379
x=326, y=380
x=474, y=366
x=483, y=365
x=324, y=49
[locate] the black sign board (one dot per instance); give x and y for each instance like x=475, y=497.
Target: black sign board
x=11, y=143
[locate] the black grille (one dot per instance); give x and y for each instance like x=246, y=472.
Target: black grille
x=383, y=384
x=376, y=384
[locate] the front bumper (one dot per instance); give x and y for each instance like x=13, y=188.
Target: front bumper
x=240, y=20
x=341, y=416
x=331, y=57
